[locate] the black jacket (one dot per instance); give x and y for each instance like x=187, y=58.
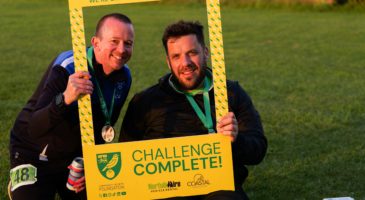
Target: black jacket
x=42, y=123
x=161, y=112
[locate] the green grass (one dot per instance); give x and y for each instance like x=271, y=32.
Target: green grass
x=303, y=69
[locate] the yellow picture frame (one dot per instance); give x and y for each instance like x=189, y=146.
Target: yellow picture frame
x=155, y=168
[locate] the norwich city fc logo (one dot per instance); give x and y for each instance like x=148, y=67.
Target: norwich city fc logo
x=109, y=164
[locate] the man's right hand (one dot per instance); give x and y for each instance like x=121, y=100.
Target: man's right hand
x=78, y=84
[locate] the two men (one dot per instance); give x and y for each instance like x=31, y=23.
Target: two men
x=182, y=104
x=46, y=134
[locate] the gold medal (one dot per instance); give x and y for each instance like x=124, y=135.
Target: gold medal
x=108, y=133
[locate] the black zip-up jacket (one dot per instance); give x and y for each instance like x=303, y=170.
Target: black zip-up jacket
x=161, y=112
x=42, y=123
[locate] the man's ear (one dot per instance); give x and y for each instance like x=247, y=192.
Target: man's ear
x=206, y=52
x=168, y=61
x=95, y=42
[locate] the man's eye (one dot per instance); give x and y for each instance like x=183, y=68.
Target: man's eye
x=114, y=42
x=175, y=57
x=128, y=44
x=193, y=53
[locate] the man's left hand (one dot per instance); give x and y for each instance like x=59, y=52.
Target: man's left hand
x=227, y=125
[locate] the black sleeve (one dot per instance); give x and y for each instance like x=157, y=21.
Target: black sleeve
x=46, y=114
x=133, y=126
x=251, y=144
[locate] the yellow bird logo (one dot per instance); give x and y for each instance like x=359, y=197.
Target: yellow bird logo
x=112, y=162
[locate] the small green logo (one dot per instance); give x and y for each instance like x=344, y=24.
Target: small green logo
x=109, y=164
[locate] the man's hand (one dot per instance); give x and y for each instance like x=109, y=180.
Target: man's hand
x=79, y=184
x=78, y=84
x=227, y=125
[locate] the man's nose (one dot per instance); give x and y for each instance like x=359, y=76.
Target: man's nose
x=186, y=60
x=121, y=47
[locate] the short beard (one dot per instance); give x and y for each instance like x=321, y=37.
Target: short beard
x=184, y=87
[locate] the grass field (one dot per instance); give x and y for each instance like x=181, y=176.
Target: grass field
x=303, y=69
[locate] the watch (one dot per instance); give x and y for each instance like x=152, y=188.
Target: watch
x=60, y=100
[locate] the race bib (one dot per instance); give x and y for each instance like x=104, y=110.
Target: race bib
x=23, y=175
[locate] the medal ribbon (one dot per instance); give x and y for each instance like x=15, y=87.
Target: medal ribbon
x=206, y=118
x=104, y=108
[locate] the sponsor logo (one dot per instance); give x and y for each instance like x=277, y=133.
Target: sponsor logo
x=109, y=164
x=164, y=186
x=198, y=181
x=120, y=86
x=111, y=187
x=112, y=190
x=112, y=194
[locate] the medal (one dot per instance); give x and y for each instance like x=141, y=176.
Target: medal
x=108, y=133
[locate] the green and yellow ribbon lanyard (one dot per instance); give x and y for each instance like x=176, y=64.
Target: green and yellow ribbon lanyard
x=206, y=118
x=107, y=131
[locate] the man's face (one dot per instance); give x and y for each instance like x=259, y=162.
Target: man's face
x=187, y=59
x=113, y=47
